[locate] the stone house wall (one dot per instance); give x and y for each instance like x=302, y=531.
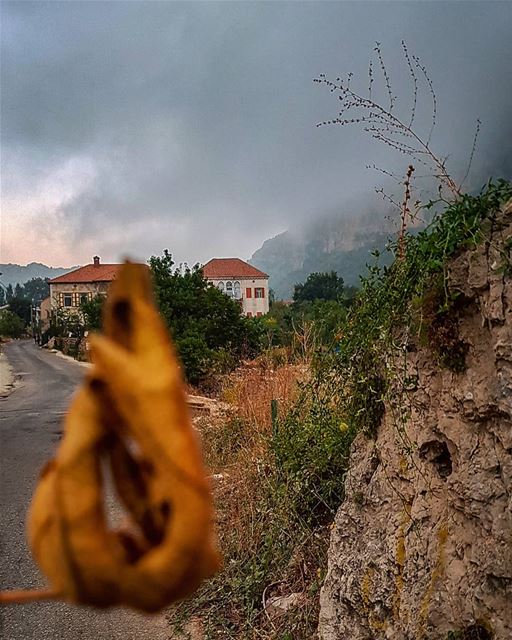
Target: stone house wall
x=91, y=289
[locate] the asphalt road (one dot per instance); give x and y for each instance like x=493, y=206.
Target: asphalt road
x=30, y=429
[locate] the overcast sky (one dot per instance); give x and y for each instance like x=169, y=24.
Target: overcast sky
x=130, y=127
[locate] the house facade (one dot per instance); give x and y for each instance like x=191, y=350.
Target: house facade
x=241, y=281
x=44, y=313
x=72, y=289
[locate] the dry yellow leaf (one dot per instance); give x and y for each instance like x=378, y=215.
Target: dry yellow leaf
x=130, y=415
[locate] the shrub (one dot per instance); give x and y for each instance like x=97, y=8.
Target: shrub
x=11, y=325
x=312, y=449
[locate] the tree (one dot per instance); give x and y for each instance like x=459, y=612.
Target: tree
x=91, y=313
x=21, y=307
x=36, y=289
x=208, y=328
x=9, y=293
x=2, y=296
x=11, y=325
x=319, y=286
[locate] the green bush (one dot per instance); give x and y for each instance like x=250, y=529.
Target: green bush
x=91, y=312
x=11, y=325
x=312, y=449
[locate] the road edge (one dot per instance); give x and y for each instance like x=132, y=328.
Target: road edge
x=7, y=377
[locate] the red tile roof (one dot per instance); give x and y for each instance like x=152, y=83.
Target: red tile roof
x=89, y=273
x=231, y=268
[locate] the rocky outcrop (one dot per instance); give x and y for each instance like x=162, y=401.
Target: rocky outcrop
x=341, y=243
x=421, y=548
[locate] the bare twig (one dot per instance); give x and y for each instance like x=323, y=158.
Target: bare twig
x=377, y=49
x=405, y=213
x=415, y=82
x=384, y=125
x=423, y=69
x=471, y=155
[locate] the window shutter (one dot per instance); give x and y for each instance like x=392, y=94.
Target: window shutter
x=248, y=292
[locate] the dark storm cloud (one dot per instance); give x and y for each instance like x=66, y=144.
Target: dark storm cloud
x=194, y=122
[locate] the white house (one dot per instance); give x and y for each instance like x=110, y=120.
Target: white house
x=241, y=281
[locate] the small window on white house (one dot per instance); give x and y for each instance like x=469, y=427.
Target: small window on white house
x=220, y=286
x=229, y=289
x=84, y=297
x=259, y=292
x=238, y=291
x=68, y=300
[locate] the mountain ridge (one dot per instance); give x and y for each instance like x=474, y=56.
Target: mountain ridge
x=13, y=273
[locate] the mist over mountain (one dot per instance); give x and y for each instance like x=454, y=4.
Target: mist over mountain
x=17, y=273
x=341, y=243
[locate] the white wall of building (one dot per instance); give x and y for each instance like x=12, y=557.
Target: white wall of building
x=246, y=289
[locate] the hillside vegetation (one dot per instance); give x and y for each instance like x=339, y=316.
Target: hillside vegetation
x=282, y=468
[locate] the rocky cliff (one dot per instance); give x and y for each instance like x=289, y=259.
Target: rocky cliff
x=341, y=243
x=421, y=548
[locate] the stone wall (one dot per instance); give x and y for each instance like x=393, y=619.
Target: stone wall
x=421, y=548
x=92, y=288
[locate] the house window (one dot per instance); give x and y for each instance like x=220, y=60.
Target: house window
x=249, y=314
x=237, y=290
x=220, y=286
x=84, y=297
x=68, y=300
x=259, y=314
x=259, y=292
x=248, y=292
x=229, y=289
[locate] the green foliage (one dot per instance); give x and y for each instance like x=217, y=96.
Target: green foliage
x=319, y=286
x=11, y=325
x=22, y=308
x=321, y=302
x=264, y=544
x=91, y=313
x=36, y=289
x=397, y=303
x=63, y=324
x=210, y=332
x=312, y=448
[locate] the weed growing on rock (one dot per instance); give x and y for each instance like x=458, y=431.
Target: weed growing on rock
x=400, y=304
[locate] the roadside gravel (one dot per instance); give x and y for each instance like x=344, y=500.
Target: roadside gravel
x=7, y=378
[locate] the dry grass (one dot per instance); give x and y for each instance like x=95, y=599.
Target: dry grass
x=251, y=389
x=263, y=556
